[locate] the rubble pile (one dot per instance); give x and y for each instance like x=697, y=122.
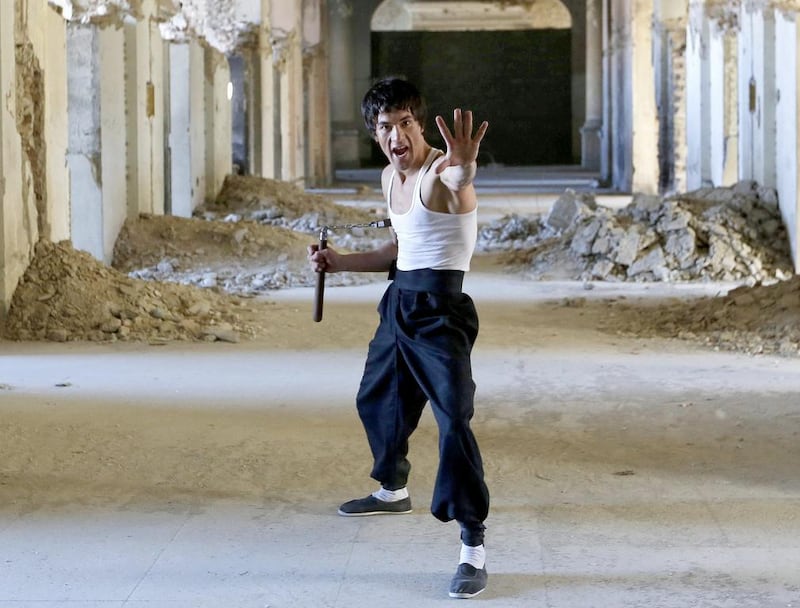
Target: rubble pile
x=277, y=203
x=67, y=295
x=715, y=234
x=251, y=240
x=238, y=257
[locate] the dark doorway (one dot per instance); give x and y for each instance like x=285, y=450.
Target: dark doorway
x=519, y=81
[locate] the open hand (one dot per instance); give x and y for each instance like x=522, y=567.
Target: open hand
x=462, y=147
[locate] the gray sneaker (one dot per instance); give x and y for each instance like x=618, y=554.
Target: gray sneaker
x=369, y=505
x=468, y=581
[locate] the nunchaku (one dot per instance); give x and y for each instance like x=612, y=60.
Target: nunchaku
x=319, y=292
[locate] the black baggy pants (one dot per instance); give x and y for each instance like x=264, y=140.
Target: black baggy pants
x=421, y=353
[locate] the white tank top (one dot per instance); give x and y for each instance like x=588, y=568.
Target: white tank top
x=431, y=239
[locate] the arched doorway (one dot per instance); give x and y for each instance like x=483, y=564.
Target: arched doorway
x=510, y=64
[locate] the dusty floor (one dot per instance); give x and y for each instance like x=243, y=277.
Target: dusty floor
x=187, y=445
x=624, y=471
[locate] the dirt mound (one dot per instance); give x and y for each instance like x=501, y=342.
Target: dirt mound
x=66, y=295
x=242, y=257
x=278, y=203
x=753, y=320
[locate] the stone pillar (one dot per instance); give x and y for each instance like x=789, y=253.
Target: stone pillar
x=180, y=140
x=345, y=122
x=731, y=126
x=697, y=124
x=317, y=88
x=219, y=158
x=111, y=48
x=705, y=100
x=56, y=121
x=787, y=140
x=620, y=94
x=85, y=151
x=287, y=20
x=791, y=205
x=757, y=95
x=265, y=147
x=605, y=132
x=591, y=130
x=145, y=90
x=645, y=176
x=198, y=136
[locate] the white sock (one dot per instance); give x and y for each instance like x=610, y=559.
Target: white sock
x=391, y=495
x=475, y=556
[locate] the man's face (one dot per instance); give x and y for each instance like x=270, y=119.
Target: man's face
x=399, y=135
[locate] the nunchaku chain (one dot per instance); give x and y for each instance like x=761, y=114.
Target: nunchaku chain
x=319, y=292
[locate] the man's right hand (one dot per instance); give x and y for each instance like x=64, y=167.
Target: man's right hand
x=323, y=260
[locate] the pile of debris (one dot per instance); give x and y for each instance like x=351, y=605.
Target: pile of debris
x=242, y=257
x=251, y=240
x=715, y=234
x=753, y=320
x=68, y=295
x=277, y=203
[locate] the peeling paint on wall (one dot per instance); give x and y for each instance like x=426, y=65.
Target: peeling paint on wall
x=29, y=91
x=222, y=25
x=94, y=11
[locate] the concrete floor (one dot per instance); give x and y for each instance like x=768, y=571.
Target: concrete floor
x=624, y=472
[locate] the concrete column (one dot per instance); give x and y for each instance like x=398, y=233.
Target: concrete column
x=180, y=140
x=748, y=87
x=787, y=142
x=757, y=95
x=287, y=20
x=645, y=177
x=578, y=80
x=731, y=125
x=345, y=123
x=266, y=143
x=621, y=110
x=111, y=49
x=145, y=67
x=605, y=132
x=85, y=151
x=317, y=88
x=219, y=157
x=56, y=122
x=705, y=100
x=677, y=109
x=714, y=106
x=697, y=125
x=198, y=138
x=590, y=131
x=5, y=52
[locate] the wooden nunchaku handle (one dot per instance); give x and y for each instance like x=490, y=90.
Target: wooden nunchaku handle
x=319, y=292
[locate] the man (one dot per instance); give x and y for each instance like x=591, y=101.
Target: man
x=421, y=350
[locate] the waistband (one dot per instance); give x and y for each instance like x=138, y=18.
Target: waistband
x=427, y=279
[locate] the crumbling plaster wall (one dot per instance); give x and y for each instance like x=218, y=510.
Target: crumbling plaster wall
x=33, y=91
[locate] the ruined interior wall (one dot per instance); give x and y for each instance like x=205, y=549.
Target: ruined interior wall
x=787, y=41
x=23, y=196
x=676, y=34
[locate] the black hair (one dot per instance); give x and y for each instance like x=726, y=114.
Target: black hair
x=389, y=94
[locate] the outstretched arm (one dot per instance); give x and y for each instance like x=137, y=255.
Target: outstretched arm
x=458, y=167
